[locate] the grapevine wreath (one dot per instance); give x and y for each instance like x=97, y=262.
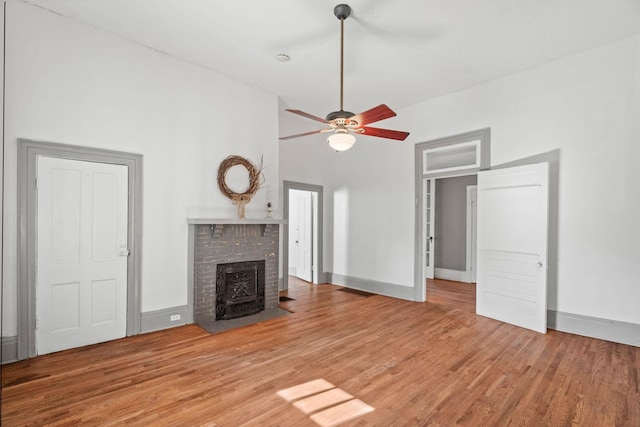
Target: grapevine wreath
x=255, y=180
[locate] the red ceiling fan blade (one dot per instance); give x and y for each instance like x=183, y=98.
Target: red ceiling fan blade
x=375, y=114
x=308, y=116
x=305, y=134
x=384, y=133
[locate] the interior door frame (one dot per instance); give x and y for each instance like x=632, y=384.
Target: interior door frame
x=429, y=271
x=484, y=136
x=472, y=228
x=28, y=153
x=318, y=269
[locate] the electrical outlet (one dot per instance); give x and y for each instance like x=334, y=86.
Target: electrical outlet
x=175, y=317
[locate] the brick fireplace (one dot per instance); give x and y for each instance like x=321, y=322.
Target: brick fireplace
x=224, y=248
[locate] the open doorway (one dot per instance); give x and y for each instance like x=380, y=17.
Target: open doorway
x=450, y=240
x=302, y=218
x=453, y=228
x=302, y=237
x=455, y=158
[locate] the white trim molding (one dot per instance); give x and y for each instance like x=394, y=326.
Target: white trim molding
x=594, y=327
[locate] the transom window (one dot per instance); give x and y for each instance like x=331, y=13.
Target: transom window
x=455, y=155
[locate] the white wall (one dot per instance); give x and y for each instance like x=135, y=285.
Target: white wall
x=580, y=112
x=2, y=322
x=368, y=200
x=585, y=110
x=70, y=83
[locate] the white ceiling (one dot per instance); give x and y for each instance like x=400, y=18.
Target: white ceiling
x=397, y=52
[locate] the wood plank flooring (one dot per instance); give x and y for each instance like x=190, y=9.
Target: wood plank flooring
x=417, y=364
x=452, y=294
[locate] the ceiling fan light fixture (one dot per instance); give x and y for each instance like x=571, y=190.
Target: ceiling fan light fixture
x=341, y=141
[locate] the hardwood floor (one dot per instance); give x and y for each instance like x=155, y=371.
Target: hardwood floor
x=416, y=364
x=452, y=294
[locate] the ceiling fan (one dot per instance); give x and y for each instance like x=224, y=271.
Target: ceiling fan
x=344, y=123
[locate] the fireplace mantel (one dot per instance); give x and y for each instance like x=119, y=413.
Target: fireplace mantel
x=258, y=221
x=217, y=224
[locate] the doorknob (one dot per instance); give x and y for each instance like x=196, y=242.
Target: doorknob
x=539, y=264
x=126, y=252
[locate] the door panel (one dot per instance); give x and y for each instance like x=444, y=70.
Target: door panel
x=82, y=253
x=64, y=218
x=65, y=306
x=512, y=245
x=105, y=216
x=510, y=214
x=104, y=294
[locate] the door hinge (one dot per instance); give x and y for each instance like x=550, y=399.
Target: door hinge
x=417, y=202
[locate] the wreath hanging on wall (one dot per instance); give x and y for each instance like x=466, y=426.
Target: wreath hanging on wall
x=255, y=181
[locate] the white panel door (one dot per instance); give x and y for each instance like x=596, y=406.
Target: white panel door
x=82, y=253
x=512, y=245
x=304, y=235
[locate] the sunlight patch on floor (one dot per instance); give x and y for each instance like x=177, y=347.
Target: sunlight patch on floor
x=325, y=404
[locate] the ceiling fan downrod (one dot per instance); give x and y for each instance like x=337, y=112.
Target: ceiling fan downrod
x=342, y=12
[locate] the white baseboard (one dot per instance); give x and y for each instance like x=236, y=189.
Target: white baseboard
x=161, y=319
x=366, y=285
x=594, y=327
x=9, y=349
x=323, y=277
x=446, y=274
